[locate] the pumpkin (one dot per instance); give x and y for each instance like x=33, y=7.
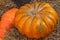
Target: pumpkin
x=7, y=20
x=36, y=20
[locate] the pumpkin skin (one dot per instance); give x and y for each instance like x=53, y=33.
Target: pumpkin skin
x=36, y=20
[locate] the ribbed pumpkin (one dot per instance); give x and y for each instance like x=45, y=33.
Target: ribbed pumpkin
x=36, y=20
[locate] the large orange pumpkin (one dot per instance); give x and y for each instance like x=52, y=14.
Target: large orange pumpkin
x=36, y=20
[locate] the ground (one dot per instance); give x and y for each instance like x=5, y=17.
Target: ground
x=13, y=34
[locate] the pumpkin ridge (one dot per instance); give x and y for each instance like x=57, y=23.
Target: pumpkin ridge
x=16, y=19
x=50, y=22
x=54, y=15
x=31, y=24
x=28, y=5
x=52, y=18
x=21, y=18
x=24, y=24
x=17, y=14
x=47, y=25
x=44, y=19
x=34, y=27
x=45, y=29
x=43, y=26
x=28, y=30
x=40, y=29
x=37, y=4
x=41, y=6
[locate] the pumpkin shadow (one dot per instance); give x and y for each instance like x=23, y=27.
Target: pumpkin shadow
x=21, y=2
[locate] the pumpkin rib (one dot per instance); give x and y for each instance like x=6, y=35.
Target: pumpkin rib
x=46, y=30
x=40, y=29
x=24, y=8
x=33, y=28
x=22, y=30
x=18, y=13
x=50, y=22
x=37, y=4
x=46, y=25
x=41, y=6
x=27, y=28
x=55, y=15
x=52, y=18
x=24, y=25
x=31, y=24
x=34, y=5
x=28, y=5
x=21, y=18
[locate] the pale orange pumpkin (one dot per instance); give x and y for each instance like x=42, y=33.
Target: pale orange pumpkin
x=36, y=20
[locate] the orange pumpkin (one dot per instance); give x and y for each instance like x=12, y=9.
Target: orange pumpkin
x=36, y=20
